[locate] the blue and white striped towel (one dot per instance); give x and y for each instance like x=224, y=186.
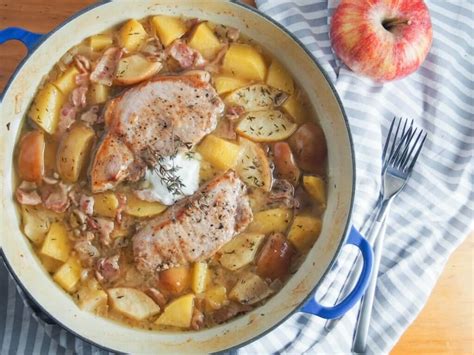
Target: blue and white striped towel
x=428, y=220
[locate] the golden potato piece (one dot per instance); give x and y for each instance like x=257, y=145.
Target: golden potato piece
x=204, y=41
x=266, y=126
x=67, y=81
x=225, y=84
x=253, y=166
x=295, y=109
x=215, y=298
x=45, y=108
x=100, y=41
x=140, y=208
x=36, y=222
x=273, y=220
x=69, y=274
x=132, y=303
x=207, y=171
x=168, y=28
x=254, y=97
x=106, y=204
x=135, y=68
x=73, y=152
x=250, y=289
x=56, y=244
x=94, y=301
x=240, y=251
x=98, y=94
x=316, y=188
x=304, y=231
x=178, y=313
x=244, y=61
x=199, y=276
x=220, y=153
x=279, y=78
x=132, y=35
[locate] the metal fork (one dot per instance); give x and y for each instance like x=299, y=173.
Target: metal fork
x=399, y=161
x=399, y=135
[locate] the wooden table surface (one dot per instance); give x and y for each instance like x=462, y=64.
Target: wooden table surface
x=446, y=323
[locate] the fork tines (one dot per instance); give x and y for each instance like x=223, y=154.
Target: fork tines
x=404, y=147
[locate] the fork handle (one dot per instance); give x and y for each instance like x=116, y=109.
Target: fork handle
x=365, y=313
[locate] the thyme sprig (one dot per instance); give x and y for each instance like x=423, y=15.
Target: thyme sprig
x=167, y=174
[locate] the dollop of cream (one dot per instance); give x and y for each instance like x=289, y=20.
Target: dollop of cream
x=184, y=167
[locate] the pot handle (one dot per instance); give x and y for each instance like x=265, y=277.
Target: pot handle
x=313, y=307
x=29, y=39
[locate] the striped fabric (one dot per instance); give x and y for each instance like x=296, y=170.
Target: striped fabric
x=428, y=220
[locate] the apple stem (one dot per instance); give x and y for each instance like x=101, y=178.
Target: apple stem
x=391, y=23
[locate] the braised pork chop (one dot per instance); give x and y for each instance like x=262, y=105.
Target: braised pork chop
x=195, y=228
x=154, y=119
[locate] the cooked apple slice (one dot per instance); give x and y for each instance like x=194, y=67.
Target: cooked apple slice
x=250, y=289
x=253, y=165
x=132, y=303
x=266, y=126
x=31, y=156
x=240, y=251
x=135, y=68
x=254, y=97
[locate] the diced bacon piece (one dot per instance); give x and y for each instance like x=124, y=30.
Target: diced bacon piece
x=26, y=196
x=55, y=197
x=186, y=56
x=105, y=68
x=91, y=116
x=78, y=96
x=82, y=63
x=86, y=204
x=67, y=116
x=108, y=269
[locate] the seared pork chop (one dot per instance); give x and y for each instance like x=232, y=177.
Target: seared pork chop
x=154, y=119
x=196, y=227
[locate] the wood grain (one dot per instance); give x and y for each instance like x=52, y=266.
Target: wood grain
x=446, y=323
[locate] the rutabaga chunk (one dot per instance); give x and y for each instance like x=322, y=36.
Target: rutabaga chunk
x=132, y=303
x=254, y=97
x=240, y=251
x=266, y=126
x=253, y=166
x=250, y=289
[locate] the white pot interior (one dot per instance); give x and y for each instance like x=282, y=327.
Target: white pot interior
x=340, y=187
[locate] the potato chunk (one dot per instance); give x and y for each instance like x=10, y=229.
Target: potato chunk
x=67, y=81
x=279, y=78
x=140, y=208
x=37, y=221
x=295, y=109
x=199, y=277
x=244, y=61
x=178, y=313
x=31, y=163
x=51, y=265
x=273, y=220
x=132, y=35
x=69, y=274
x=255, y=97
x=132, y=303
x=134, y=69
x=225, y=84
x=91, y=297
x=98, y=94
x=240, y=250
x=73, y=152
x=250, y=289
x=316, y=188
x=100, y=41
x=204, y=41
x=168, y=28
x=45, y=108
x=304, y=231
x=266, y=126
x=253, y=165
x=219, y=152
x=56, y=244
x=215, y=298
x=106, y=204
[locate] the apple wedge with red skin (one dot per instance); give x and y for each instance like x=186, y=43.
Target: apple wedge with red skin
x=382, y=39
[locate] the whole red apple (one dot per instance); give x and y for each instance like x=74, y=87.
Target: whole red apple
x=382, y=39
